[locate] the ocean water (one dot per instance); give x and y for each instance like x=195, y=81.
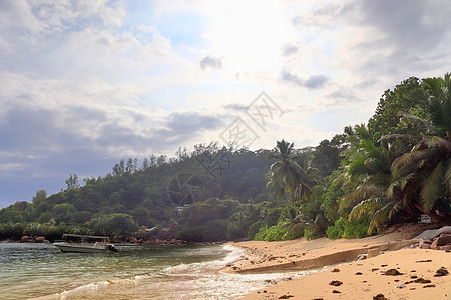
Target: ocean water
x=41, y=271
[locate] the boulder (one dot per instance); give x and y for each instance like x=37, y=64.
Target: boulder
x=40, y=239
x=425, y=244
x=26, y=239
x=447, y=247
x=440, y=241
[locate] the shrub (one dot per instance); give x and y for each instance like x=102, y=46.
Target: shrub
x=349, y=229
x=312, y=232
x=273, y=233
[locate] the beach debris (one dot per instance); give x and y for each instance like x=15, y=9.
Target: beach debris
x=362, y=256
x=358, y=273
x=335, y=270
x=286, y=296
x=379, y=297
x=425, y=260
x=441, y=272
x=335, y=283
x=384, y=266
x=392, y=272
x=374, y=269
x=400, y=286
x=336, y=292
x=429, y=285
x=413, y=277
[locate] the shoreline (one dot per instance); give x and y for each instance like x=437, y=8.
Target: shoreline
x=356, y=279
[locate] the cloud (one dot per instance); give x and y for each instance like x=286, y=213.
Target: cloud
x=312, y=82
x=236, y=106
x=287, y=76
x=316, y=81
x=289, y=50
x=212, y=62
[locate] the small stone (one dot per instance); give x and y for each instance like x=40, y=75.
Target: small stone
x=400, y=286
x=422, y=280
x=413, y=277
x=335, y=283
x=358, y=273
x=374, y=269
x=335, y=270
x=379, y=297
x=441, y=272
x=429, y=285
x=392, y=272
x=336, y=292
x=286, y=296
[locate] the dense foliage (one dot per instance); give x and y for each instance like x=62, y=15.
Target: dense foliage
x=392, y=170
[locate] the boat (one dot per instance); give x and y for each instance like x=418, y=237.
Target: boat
x=85, y=244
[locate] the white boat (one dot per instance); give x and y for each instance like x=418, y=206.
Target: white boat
x=85, y=243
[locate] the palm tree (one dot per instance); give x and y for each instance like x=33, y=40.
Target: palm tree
x=426, y=170
x=290, y=175
x=367, y=177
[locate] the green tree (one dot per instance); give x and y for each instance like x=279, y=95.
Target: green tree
x=367, y=177
x=405, y=97
x=41, y=196
x=290, y=176
x=72, y=182
x=427, y=168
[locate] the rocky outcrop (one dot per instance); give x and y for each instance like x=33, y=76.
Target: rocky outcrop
x=31, y=239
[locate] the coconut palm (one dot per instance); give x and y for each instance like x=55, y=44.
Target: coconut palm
x=291, y=175
x=366, y=178
x=426, y=170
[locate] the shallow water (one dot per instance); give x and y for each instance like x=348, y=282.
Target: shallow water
x=136, y=272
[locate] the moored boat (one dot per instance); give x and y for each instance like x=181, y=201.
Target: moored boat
x=85, y=244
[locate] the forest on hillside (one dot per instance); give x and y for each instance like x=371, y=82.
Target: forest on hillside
x=390, y=170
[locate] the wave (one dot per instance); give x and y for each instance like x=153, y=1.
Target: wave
x=198, y=280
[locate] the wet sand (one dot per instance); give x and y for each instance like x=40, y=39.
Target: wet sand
x=347, y=277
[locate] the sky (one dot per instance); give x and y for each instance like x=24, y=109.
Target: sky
x=84, y=84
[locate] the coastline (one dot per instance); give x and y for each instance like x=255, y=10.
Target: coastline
x=361, y=279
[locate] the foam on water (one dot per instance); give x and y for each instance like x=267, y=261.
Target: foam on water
x=175, y=277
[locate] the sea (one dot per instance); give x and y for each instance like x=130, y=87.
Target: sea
x=41, y=271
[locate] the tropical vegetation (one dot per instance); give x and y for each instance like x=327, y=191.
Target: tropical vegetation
x=391, y=170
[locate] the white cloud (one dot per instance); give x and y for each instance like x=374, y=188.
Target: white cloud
x=89, y=79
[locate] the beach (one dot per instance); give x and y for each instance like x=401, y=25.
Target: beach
x=387, y=266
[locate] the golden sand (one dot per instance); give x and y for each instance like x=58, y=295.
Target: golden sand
x=349, y=278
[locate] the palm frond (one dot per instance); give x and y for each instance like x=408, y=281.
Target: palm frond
x=367, y=206
x=448, y=174
x=411, y=160
x=437, y=142
x=410, y=138
x=424, y=125
x=432, y=187
x=381, y=216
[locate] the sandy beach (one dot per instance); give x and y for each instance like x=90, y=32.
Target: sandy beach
x=391, y=265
